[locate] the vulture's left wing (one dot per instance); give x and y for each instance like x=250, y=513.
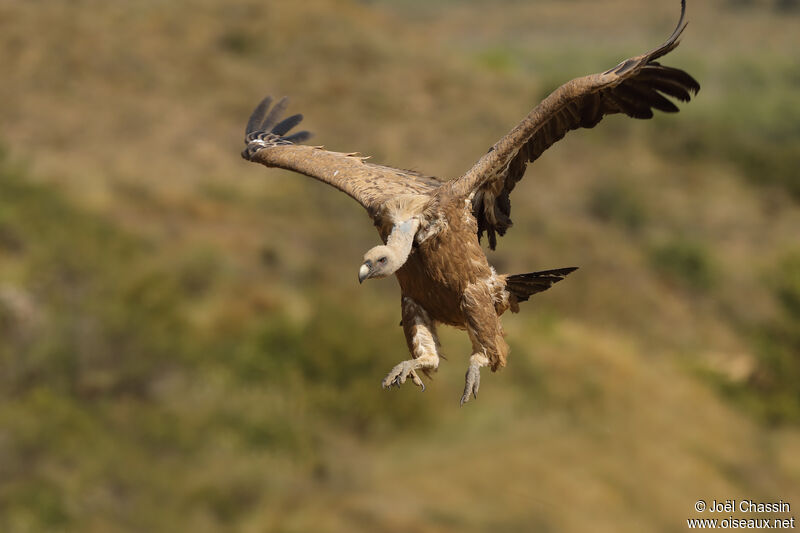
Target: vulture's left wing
x=269, y=143
x=634, y=87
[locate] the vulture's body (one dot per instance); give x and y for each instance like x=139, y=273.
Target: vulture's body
x=432, y=228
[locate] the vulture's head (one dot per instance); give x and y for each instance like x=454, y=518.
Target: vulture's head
x=379, y=262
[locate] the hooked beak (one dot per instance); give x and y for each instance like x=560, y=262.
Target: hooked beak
x=364, y=272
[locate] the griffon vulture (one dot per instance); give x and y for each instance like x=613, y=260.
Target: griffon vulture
x=432, y=228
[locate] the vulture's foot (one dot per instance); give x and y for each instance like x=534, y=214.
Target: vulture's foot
x=402, y=371
x=472, y=380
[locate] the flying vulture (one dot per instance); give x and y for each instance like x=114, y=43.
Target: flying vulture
x=432, y=228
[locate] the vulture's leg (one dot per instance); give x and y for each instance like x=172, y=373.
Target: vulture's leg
x=488, y=346
x=472, y=380
x=422, y=342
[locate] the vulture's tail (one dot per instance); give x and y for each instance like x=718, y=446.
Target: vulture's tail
x=522, y=286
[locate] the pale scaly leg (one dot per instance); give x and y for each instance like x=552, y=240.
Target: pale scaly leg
x=485, y=333
x=423, y=343
x=472, y=379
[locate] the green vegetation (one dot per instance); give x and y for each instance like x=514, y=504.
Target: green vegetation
x=684, y=262
x=97, y=354
x=754, y=126
x=772, y=391
x=184, y=345
x=613, y=202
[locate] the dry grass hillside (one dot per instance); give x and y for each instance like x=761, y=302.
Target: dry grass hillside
x=184, y=345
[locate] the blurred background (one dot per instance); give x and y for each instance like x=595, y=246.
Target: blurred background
x=183, y=342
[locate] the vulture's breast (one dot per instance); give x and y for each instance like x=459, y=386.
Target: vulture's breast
x=439, y=270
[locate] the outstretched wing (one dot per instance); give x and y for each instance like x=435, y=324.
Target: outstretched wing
x=269, y=143
x=635, y=87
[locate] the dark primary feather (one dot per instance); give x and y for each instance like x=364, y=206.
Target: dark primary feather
x=275, y=114
x=286, y=124
x=299, y=137
x=635, y=87
x=257, y=116
x=263, y=120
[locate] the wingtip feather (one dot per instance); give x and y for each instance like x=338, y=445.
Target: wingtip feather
x=275, y=114
x=264, y=120
x=257, y=116
x=283, y=127
x=672, y=41
x=299, y=137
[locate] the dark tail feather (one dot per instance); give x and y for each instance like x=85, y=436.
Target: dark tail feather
x=524, y=285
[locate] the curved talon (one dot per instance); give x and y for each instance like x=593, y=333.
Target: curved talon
x=416, y=380
x=400, y=373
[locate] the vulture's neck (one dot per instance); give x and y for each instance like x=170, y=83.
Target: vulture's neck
x=401, y=239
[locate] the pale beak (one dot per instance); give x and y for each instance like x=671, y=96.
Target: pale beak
x=363, y=273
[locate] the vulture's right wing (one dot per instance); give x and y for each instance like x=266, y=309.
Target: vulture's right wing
x=370, y=185
x=635, y=87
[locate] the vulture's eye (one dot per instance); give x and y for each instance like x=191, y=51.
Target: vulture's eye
x=382, y=261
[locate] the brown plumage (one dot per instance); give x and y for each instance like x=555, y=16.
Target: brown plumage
x=431, y=229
